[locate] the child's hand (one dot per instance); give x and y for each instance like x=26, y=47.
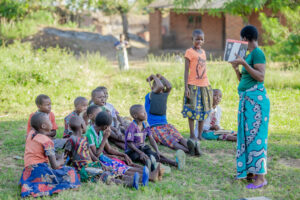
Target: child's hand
x=128, y=160
x=187, y=92
x=150, y=78
x=106, y=132
x=144, y=157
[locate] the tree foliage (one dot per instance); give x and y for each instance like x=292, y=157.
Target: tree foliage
x=284, y=39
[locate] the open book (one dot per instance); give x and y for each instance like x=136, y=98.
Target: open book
x=235, y=47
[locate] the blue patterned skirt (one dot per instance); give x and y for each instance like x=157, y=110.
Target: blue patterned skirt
x=199, y=105
x=40, y=180
x=253, y=120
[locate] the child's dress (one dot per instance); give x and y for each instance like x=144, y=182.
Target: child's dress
x=95, y=139
x=162, y=131
x=198, y=106
x=38, y=178
x=80, y=158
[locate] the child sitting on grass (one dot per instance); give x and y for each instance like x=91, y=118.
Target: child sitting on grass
x=97, y=136
x=78, y=150
x=43, y=102
x=135, y=146
x=80, y=104
x=118, y=121
x=212, y=129
x=38, y=178
x=156, y=108
x=92, y=112
x=99, y=99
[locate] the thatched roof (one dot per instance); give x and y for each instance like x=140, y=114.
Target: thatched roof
x=198, y=4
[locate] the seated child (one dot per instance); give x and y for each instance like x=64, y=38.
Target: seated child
x=92, y=112
x=97, y=136
x=38, y=178
x=99, y=99
x=43, y=102
x=156, y=108
x=212, y=129
x=135, y=145
x=118, y=121
x=80, y=104
x=78, y=150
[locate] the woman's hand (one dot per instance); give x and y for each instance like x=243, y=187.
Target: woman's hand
x=238, y=61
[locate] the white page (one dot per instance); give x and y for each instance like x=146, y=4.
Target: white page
x=234, y=50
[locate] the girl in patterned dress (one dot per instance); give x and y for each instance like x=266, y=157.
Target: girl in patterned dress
x=198, y=97
x=38, y=177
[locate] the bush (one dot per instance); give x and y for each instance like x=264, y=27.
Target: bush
x=12, y=9
x=284, y=39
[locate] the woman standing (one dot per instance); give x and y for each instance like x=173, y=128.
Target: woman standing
x=121, y=47
x=253, y=113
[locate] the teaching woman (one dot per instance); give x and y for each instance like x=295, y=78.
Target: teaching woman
x=253, y=113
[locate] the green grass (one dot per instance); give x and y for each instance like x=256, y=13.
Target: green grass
x=26, y=73
x=11, y=30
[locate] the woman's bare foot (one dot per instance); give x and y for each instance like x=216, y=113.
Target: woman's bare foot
x=154, y=174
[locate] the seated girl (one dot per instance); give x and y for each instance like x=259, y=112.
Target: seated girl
x=156, y=108
x=92, y=112
x=78, y=150
x=136, y=148
x=38, y=178
x=212, y=129
x=97, y=136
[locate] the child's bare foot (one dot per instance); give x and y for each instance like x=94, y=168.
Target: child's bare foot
x=154, y=174
x=161, y=173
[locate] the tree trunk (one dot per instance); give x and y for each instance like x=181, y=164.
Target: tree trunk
x=125, y=29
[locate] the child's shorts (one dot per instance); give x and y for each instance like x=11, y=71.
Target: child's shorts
x=135, y=156
x=199, y=105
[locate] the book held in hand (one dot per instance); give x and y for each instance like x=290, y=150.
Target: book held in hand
x=235, y=47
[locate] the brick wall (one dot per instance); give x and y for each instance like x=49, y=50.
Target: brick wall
x=155, y=30
x=233, y=26
x=182, y=26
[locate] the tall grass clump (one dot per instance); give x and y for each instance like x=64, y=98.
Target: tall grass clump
x=26, y=73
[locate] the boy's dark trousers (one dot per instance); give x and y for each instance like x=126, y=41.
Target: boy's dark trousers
x=135, y=156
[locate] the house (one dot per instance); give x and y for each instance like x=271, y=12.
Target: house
x=171, y=30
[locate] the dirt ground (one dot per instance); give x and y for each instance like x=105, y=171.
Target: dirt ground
x=78, y=42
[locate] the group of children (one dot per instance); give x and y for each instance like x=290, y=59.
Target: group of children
x=94, y=125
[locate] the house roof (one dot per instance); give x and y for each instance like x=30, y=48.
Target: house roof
x=198, y=4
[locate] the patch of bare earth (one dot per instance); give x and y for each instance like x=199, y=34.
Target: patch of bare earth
x=290, y=162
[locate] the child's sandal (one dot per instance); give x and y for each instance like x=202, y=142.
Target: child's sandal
x=180, y=159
